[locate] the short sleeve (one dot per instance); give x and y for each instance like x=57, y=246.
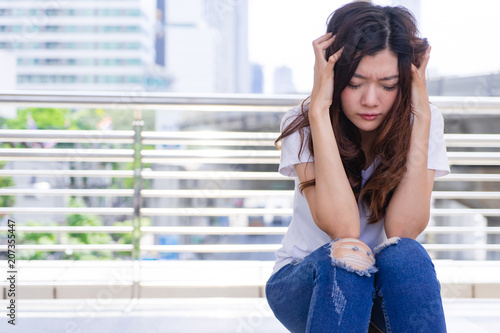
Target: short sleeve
x=290, y=145
x=437, y=158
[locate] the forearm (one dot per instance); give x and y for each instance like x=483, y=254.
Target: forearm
x=409, y=209
x=335, y=205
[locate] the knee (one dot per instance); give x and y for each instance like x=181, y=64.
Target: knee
x=406, y=259
x=401, y=252
x=353, y=255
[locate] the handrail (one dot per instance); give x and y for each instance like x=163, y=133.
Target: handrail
x=213, y=102
x=185, y=150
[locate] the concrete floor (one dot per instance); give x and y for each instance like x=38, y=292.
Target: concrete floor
x=186, y=315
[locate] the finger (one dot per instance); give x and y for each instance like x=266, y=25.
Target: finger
x=423, y=62
x=323, y=38
x=320, y=45
x=333, y=59
x=324, y=45
x=327, y=42
x=336, y=55
x=415, y=72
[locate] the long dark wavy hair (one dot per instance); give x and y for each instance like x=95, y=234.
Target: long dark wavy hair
x=364, y=29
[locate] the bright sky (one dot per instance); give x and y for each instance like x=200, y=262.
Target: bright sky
x=464, y=36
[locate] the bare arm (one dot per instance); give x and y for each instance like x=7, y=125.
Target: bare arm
x=409, y=209
x=331, y=201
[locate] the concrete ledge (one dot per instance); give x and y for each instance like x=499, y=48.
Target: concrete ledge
x=98, y=291
x=34, y=291
x=183, y=291
x=457, y=290
x=487, y=290
x=178, y=279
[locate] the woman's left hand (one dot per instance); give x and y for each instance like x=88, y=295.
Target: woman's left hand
x=419, y=96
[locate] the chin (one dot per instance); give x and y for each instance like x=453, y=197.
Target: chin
x=369, y=128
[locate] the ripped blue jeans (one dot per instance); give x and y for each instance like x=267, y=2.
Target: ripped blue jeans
x=398, y=292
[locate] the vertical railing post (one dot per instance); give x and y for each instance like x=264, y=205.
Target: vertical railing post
x=138, y=124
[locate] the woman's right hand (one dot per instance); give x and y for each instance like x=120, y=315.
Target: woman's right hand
x=321, y=95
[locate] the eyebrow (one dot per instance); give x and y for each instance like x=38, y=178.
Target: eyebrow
x=383, y=79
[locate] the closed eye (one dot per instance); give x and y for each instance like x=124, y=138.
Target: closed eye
x=390, y=88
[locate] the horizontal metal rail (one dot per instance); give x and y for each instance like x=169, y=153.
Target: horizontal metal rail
x=72, y=247
x=282, y=230
x=220, y=248
x=69, y=173
x=225, y=175
x=472, y=140
x=152, y=100
x=75, y=136
x=188, y=211
x=73, y=192
x=198, y=137
x=81, y=155
x=462, y=105
x=466, y=195
x=204, y=211
x=222, y=230
x=229, y=175
x=68, y=210
x=230, y=248
x=461, y=247
x=75, y=229
x=469, y=177
x=216, y=193
x=213, y=248
x=217, y=156
x=474, y=158
x=204, y=138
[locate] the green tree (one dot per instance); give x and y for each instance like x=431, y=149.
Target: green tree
x=45, y=118
x=6, y=200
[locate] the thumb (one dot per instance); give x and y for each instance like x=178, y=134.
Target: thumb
x=332, y=60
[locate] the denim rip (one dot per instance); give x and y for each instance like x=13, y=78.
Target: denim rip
x=358, y=255
x=387, y=243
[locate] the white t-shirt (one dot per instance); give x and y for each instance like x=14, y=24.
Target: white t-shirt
x=303, y=235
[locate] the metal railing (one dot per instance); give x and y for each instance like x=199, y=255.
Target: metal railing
x=216, y=149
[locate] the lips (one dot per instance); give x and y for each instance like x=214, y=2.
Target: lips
x=369, y=116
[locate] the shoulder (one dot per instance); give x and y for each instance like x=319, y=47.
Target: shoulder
x=291, y=115
x=436, y=115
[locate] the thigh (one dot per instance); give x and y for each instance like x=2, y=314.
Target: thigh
x=289, y=291
x=319, y=294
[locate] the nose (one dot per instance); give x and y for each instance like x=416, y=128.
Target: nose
x=370, y=97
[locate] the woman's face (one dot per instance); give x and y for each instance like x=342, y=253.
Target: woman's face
x=372, y=90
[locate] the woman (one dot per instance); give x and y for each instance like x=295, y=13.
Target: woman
x=365, y=148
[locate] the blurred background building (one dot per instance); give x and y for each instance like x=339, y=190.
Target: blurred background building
x=83, y=45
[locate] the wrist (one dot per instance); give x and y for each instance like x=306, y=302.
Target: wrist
x=422, y=111
x=422, y=116
x=319, y=113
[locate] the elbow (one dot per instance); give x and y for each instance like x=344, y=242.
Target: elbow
x=339, y=226
x=406, y=227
